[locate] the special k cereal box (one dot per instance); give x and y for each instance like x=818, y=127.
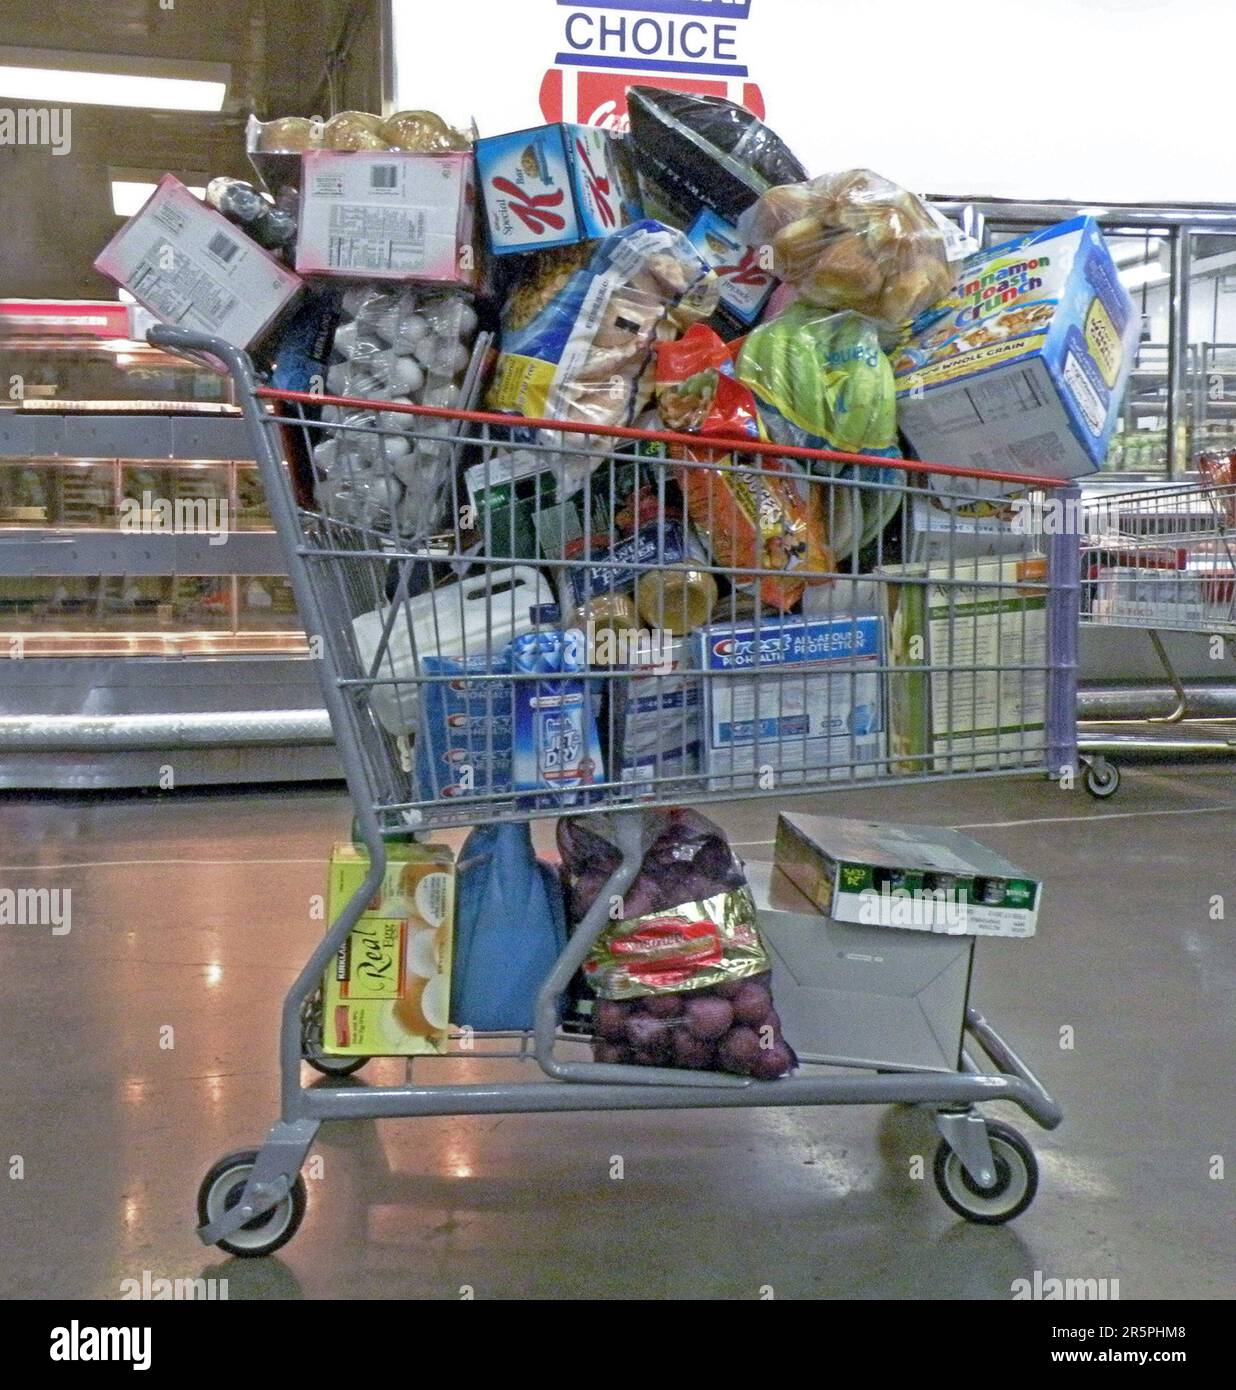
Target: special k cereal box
x=554, y=185
x=388, y=991
x=1022, y=368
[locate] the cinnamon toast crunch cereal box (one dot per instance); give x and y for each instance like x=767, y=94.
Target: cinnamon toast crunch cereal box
x=1022, y=368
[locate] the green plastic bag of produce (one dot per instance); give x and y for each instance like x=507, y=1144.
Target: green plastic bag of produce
x=822, y=381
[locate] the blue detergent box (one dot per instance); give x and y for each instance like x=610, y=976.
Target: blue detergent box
x=483, y=736
x=792, y=699
x=555, y=185
x=1022, y=368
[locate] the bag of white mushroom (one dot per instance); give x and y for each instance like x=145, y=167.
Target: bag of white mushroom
x=408, y=345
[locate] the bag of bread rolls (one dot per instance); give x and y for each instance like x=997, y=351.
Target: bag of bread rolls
x=853, y=241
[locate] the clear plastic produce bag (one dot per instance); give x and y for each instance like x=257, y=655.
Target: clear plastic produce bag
x=853, y=241
x=403, y=347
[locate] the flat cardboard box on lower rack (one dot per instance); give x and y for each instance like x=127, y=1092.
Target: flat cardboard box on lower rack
x=916, y=877
x=387, y=993
x=861, y=996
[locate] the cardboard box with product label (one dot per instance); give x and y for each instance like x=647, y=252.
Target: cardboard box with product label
x=745, y=284
x=916, y=877
x=794, y=694
x=967, y=652
x=1022, y=368
x=193, y=268
x=851, y=995
x=388, y=215
x=387, y=993
x=554, y=185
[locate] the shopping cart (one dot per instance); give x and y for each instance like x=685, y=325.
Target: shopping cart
x=1159, y=559
x=982, y=684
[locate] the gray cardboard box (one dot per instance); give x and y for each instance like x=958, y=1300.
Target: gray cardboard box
x=854, y=995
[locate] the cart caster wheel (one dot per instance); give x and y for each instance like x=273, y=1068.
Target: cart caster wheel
x=221, y=1189
x=311, y=1051
x=1102, y=778
x=330, y=1065
x=1017, y=1179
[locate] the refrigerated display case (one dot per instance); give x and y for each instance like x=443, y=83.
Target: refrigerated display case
x=152, y=632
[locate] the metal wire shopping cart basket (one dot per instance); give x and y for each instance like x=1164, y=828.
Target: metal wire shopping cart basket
x=1159, y=559
x=563, y=537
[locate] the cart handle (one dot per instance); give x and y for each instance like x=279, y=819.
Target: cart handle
x=187, y=342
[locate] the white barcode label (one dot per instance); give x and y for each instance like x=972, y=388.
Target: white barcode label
x=383, y=177
x=223, y=246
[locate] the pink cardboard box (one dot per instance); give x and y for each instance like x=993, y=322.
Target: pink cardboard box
x=387, y=215
x=191, y=267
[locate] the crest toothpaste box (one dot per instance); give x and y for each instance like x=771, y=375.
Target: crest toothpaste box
x=554, y=185
x=791, y=698
x=1022, y=367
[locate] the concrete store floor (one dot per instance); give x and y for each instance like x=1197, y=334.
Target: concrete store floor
x=193, y=911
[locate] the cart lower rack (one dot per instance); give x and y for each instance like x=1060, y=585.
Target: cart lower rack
x=530, y=618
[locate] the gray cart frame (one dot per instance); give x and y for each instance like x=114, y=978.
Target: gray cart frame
x=267, y=1181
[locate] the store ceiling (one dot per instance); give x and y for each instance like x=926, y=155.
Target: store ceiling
x=55, y=210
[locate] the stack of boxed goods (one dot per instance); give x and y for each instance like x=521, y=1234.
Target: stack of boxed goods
x=686, y=608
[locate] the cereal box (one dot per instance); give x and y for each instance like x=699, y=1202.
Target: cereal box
x=553, y=186
x=1021, y=369
x=387, y=993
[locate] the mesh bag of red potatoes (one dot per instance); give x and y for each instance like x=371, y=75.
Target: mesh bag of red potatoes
x=682, y=978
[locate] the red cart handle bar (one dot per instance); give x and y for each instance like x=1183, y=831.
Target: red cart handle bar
x=692, y=441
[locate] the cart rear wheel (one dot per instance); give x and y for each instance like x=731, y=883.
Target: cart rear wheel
x=329, y=1064
x=220, y=1191
x=1102, y=778
x=1017, y=1179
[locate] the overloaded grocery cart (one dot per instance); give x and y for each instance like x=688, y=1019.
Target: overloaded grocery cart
x=600, y=463
x=1161, y=559
x=545, y=634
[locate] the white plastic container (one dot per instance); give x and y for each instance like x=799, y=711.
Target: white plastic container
x=478, y=615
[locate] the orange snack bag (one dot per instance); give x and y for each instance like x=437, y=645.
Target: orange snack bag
x=755, y=517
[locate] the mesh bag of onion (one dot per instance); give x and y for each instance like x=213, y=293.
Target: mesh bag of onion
x=681, y=977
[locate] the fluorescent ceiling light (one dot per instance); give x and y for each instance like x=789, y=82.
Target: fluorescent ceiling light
x=129, y=195
x=55, y=77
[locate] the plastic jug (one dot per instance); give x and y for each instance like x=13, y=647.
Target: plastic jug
x=473, y=617
x=510, y=927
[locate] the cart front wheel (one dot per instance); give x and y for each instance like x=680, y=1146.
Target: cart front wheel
x=1102, y=778
x=220, y=1191
x=1017, y=1179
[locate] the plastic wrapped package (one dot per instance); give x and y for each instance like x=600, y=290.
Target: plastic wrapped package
x=402, y=346
x=757, y=517
x=853, y=241
x=586, y=354
x=822, y=381
x=423, y=132
x=270, y=226
x=695, y=151
x=683, y=978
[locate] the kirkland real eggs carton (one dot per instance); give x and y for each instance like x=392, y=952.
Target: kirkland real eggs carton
x=387, y=992
x=1022, y=368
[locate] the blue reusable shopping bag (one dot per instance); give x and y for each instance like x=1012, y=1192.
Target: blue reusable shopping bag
x=510, y=927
